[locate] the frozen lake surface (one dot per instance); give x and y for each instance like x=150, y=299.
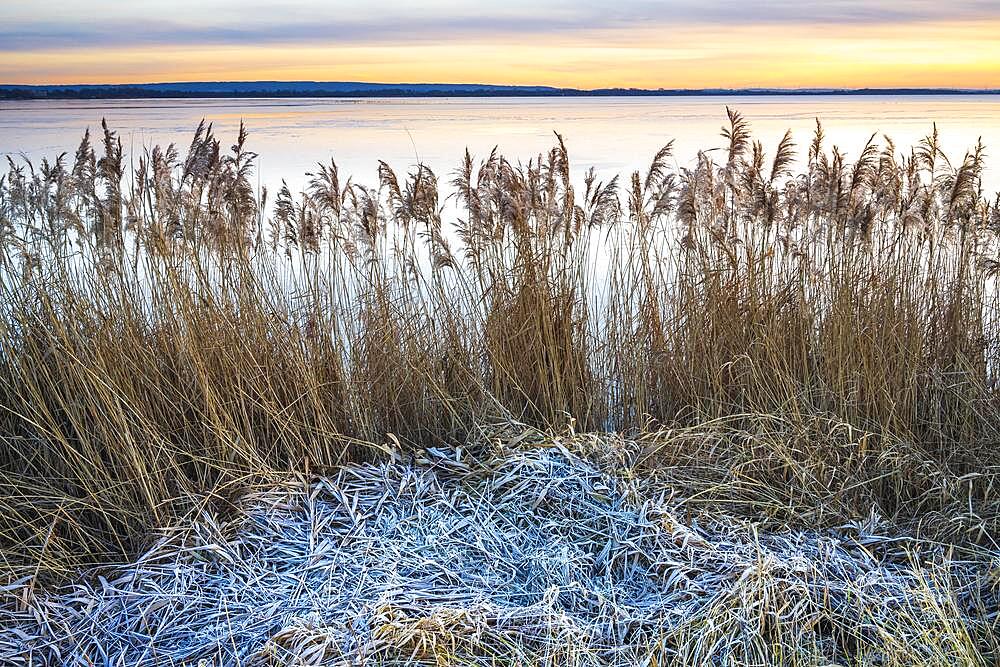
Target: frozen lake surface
x=614, y=135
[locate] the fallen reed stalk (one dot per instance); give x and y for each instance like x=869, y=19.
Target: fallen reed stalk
x=531, y=556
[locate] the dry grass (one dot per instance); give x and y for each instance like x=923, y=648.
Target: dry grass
x=532, y=556
x=824, y=346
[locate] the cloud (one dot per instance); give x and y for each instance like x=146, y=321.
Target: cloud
x=188, y=23
x=107, y=34
x=834, y=12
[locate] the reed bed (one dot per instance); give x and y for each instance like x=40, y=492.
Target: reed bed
x=534, y=557
x=812, y=339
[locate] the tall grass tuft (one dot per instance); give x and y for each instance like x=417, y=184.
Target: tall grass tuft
x=826, y=339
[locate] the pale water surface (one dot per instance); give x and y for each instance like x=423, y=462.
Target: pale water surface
x=614, y=135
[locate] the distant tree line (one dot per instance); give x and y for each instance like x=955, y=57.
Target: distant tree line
x=142, y=92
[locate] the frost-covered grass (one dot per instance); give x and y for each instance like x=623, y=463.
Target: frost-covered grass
x=531, y=555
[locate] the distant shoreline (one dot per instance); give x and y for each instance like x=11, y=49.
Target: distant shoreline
x=312, y=89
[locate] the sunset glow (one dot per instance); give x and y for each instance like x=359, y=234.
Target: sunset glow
x=640, y=44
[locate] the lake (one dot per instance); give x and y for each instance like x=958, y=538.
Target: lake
x=614, y=135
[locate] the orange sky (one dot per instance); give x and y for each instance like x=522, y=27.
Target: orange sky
x=641, y=43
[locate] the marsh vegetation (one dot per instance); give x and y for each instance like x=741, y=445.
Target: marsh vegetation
x=789, y=339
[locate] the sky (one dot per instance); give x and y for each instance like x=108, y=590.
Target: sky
x=573, y=43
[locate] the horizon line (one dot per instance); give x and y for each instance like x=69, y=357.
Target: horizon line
x=347, y=88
